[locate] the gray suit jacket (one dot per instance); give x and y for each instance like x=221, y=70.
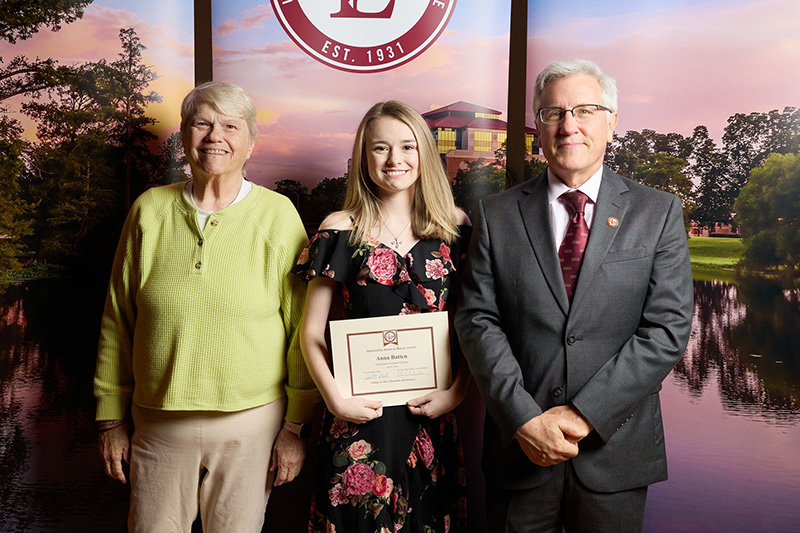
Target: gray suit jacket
x=606, y=353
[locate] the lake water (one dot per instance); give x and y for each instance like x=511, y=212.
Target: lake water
x=731, y=413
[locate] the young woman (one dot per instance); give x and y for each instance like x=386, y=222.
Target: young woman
x=396, y=248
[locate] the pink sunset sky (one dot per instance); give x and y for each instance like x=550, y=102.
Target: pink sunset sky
x=678, y=64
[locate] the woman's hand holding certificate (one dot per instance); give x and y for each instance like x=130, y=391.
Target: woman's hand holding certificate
x=394, y=359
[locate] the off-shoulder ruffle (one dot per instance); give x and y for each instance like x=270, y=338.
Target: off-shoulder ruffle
x=416, y=277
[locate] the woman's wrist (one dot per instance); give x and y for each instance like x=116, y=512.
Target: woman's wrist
x=108, y=425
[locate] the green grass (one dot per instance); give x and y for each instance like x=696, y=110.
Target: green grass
x=32, y=272
x=714, y=258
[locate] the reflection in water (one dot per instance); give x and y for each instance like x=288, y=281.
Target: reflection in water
x=50, y=477
x=748, y=336
x=731, y=416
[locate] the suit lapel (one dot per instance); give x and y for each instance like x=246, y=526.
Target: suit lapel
x=612, y=203
x=535, y=213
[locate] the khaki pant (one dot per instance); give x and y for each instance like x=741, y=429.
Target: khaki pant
x=214, y=462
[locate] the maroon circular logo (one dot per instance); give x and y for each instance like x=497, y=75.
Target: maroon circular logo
x=365, y=35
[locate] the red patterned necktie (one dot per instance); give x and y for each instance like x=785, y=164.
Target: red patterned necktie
x=570, y=253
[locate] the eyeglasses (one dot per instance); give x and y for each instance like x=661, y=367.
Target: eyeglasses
x=581, y=113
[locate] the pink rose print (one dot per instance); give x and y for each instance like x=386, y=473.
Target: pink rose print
x=424, y=448
x=398, y=527
x=383, y=486
x=359, y=450
x=435, y=269
x=385, y=529
x=445, y=251
x=338, y=495
x=303, y=259
x=446, y=523
x=442, y=303
x=404, y=276
x=410, y=260
x=338, y=427
x=358, y=479
x=412, y=459
x=328, y=272
x=410, y=309
x=331, y=527
x=382, y=262
x=429, y=295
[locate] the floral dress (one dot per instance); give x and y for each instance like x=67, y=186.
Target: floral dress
x=400, y=472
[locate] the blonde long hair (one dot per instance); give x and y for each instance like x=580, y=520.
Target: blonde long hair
x=433, y=209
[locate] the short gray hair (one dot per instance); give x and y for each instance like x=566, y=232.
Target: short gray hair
x=574, y=67
x=226, y=98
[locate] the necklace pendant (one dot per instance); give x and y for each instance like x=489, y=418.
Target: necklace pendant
x=396, y=243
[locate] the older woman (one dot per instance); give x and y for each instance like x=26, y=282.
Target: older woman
x=198, y=337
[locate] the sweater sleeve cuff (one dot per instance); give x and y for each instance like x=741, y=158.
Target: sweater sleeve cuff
x=112, y=407
x=301, y=404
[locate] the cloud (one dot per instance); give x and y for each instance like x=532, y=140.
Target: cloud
x=253, y=19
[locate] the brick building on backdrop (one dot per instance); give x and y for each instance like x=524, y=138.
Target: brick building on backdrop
x=466, y=132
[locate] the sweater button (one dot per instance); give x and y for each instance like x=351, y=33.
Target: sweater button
x=198, y=265
x=214, y=222
x=200, y=242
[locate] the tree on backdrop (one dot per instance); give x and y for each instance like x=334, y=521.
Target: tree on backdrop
x=625, y=152
x=298, y=194
x=534, y=167
x=657, y=160
x=749, y=139
x=130, y=98
x=171, y=164
x=326, y=197
x=709, y=168
x=91, y=152
x=475, y=182
x=768, y=210
x=665, y=172
x=15, y=221
x=21, y=19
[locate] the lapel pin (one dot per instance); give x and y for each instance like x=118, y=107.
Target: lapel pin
x=612, y=222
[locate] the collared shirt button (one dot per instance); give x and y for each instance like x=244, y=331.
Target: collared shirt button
x=557, y=391
x=571, y=340
x=214, y=222
x=198, y=265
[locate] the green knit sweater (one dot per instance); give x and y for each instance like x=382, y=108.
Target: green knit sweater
x=204, y=320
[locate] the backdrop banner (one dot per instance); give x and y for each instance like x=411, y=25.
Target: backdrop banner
x=314, y=68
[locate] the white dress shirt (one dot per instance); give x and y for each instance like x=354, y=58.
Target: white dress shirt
x=559, y=214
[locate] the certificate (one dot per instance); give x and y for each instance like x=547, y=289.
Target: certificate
x=391, y=358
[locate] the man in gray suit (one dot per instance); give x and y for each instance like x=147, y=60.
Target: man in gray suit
x=577, y=304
